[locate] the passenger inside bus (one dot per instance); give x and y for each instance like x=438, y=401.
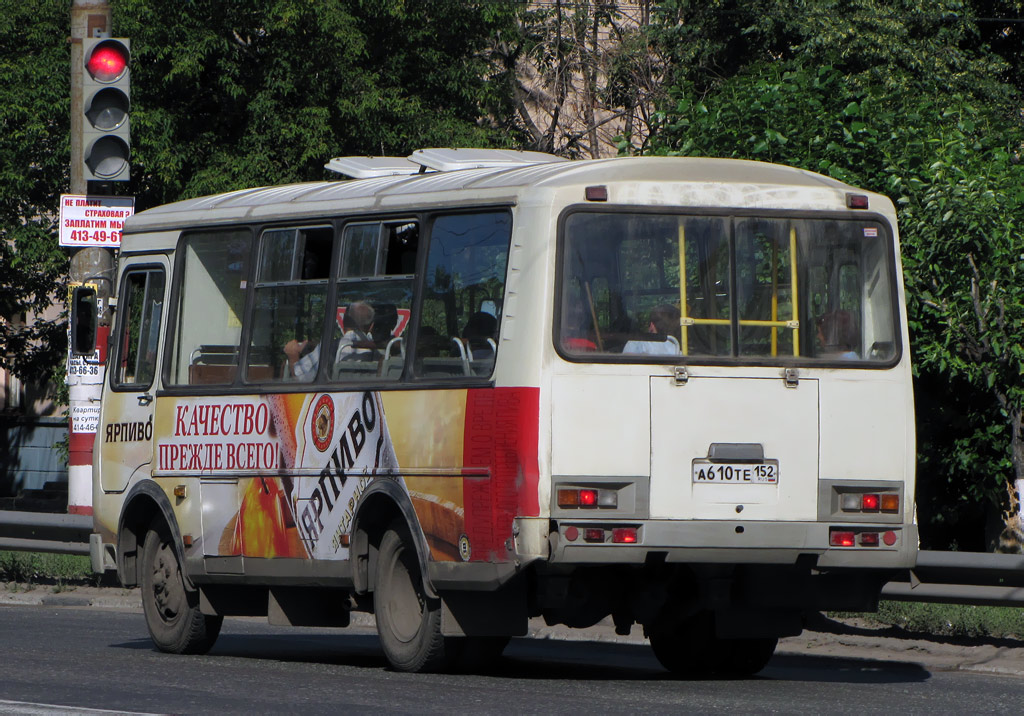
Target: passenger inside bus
x=303, y=358
x=663, y=333
x=356, y=344
x=838, y=335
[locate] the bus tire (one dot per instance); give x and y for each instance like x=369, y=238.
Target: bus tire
x=172, y=612
x=408, y=621
x=748, y=656
x=689, y=647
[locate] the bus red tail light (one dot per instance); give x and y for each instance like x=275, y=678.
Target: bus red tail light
x=593, y=534
x=587, y=497
x=841, y=538
x=624, y=535
x=869, y=502
x=868, y=539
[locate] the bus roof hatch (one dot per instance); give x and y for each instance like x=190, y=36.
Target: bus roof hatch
x=371, y=167
x=448, y=160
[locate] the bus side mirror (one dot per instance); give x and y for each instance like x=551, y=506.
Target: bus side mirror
x=84, y=318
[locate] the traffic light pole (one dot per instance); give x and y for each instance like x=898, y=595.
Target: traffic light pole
x=89, y=18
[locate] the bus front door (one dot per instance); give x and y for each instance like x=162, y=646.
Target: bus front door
x=126, y=432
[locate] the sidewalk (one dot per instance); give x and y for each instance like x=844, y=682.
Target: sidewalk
x=847, y=639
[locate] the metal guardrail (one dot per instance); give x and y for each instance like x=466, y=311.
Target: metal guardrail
x=946, y=577
x=44, y=532
x=978, y=578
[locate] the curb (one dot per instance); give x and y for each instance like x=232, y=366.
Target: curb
x=40, y=597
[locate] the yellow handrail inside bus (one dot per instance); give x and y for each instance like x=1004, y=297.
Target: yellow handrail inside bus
x=775, y=297
x=793, y=290
x=684, y=320
x=793, y=323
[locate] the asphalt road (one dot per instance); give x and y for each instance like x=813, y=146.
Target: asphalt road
x=89, y=658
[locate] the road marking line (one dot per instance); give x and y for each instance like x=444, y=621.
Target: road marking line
x=28, y=708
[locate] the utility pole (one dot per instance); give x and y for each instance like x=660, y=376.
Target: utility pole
x=89, y=19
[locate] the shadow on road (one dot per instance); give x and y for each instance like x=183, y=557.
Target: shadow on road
x=547, y=660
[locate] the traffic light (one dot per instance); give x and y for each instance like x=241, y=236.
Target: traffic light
x=106, y=84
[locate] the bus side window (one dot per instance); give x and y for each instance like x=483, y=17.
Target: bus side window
x=463, y=293
x=290, y=304
x=142, y=300
x=213, y=270
x=374, y=301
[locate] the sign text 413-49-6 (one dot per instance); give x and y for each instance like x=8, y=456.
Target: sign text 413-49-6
x=93, y=220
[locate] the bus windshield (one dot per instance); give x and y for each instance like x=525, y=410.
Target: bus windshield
x=655, y=287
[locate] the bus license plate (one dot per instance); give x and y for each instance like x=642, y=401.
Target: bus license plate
x=736, y=473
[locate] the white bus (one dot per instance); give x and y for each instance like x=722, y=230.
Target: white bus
x=474, y=387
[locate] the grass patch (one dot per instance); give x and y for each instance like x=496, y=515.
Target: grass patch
x=949, y=619
x=60, y=570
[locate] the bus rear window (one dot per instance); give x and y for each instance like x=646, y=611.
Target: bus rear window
x=669, y=288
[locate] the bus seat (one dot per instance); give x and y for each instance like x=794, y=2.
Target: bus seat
x=200, y=374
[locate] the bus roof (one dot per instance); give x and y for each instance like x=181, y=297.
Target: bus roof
x=669, y=181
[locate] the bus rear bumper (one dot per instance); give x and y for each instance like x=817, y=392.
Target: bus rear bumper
x=816, y=544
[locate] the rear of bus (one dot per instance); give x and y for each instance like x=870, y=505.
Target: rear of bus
x=731, y=440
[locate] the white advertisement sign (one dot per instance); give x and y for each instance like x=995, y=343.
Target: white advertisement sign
x=85, y=418
x=93, y=220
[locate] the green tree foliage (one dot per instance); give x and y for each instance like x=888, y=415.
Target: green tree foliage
x=227, y=95
x=909, y=100
x=33, y=170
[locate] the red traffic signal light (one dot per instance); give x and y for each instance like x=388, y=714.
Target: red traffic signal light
x=106, y=101
x=108, y=61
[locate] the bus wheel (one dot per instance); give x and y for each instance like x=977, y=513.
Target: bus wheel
x=689, y=647
x=408, y=621
x=748, y=656
x=172, y=610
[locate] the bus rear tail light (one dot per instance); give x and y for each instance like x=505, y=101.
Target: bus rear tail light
x=593, y=534
x=624, y=535
x=575, y=497
x=870, y=502
x=868, y=539
x=846, y=537
x=890, y=503
x=841, y=538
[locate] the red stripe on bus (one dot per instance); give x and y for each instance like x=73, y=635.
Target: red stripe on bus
x=500, y=435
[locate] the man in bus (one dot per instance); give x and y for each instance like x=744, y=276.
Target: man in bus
x=355, y=343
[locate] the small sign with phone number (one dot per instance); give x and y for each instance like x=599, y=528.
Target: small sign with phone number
x=93, y=220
